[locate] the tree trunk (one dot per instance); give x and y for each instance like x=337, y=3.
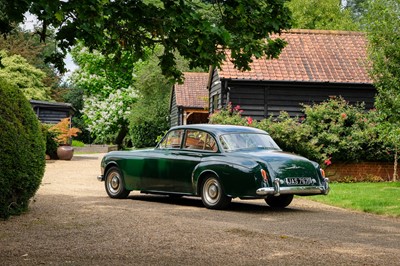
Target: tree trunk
x=121, y=135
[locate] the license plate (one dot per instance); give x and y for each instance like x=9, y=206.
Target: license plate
x=298, y=181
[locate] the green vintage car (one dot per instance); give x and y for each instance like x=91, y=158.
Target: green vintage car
x=217, y=163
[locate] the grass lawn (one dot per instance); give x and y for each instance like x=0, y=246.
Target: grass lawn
x=379, y=198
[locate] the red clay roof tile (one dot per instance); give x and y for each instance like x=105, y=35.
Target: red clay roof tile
x=193, y=92
x=313, y=56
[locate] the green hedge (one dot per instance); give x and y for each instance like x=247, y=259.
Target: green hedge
x=51, y=143
x=148, y=121
x=22, y=156
x=331, y=131
x=145, y=134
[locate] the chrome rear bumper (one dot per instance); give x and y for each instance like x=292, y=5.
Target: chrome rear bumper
x=100, y=178
x=277, y=190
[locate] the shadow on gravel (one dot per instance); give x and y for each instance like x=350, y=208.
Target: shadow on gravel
x=244, y=207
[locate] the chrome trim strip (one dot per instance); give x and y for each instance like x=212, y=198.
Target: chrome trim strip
x=278, y=190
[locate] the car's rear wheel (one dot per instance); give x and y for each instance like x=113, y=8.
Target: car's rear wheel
x=114, y=184
x=212, y=194
x=280, y=201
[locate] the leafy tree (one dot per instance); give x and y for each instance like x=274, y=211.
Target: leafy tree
x=18, y=72
x=357, y=8
x=74, y=96
x=11, y=13
x=383, y=24
x=322, y=15
x=112, y=27
x=107, y=92
x=149, y=116
x=24, y=43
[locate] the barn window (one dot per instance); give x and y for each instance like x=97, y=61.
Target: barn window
x=214, y=102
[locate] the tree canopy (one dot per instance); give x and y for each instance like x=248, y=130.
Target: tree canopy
x=383, y=26
x=112, y=26
x=18, y=72
x=149, y=116
x=383, y=31
x=322, y=15
x=107, y=90
x=358, y=8
x=24, y=43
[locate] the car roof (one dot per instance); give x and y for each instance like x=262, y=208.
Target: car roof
x=221, y=129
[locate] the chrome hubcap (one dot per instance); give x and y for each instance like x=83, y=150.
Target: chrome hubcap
x=115, y=182
x=211, y=191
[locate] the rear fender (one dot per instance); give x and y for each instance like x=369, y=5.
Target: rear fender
x=236, y=180
x=201, y=171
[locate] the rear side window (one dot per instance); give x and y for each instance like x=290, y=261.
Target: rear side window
x=200, y=140
x=173, y=140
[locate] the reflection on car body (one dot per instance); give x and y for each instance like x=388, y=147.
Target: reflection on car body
x=217, y=163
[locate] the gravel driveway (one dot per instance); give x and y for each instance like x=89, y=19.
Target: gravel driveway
x=73, y=222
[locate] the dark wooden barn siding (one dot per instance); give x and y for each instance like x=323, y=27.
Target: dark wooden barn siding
x=250, y=98
x=51, y=112
x=290, y=97
x=215, y=92
x=48, y=116
x=262, y=99
x=174, y=111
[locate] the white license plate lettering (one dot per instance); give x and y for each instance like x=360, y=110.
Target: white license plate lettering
x=298, y=181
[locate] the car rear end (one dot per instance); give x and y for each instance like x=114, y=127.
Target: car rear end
x=282, y=173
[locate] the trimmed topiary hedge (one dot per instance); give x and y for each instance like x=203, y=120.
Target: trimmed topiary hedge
x=22, y=151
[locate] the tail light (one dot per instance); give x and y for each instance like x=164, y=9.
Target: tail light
x=322, y=172
x=264, y=175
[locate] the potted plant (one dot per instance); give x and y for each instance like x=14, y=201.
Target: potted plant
x=65, y=132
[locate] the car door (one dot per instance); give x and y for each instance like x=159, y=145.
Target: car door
x=158, y=165
x=197, y=145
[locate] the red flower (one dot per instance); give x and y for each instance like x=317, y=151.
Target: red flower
x=343, y=115
x=328, y=162
x=237, y=108
x=249, y=120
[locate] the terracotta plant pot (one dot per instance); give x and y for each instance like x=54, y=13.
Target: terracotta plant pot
x=65, y=152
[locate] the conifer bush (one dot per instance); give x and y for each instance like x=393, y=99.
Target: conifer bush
x=22, y=151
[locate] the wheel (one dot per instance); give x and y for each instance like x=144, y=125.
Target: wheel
x=114, y=184
x=212, y=194
x=280, y=201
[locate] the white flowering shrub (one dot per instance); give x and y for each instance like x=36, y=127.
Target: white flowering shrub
x=108, y=94
x=105, y=116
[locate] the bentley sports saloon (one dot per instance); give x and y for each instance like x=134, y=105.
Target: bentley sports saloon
x=216, y=163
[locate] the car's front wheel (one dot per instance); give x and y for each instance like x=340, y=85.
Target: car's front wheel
x=212, y=194
x=280, y=201
x=114, y=184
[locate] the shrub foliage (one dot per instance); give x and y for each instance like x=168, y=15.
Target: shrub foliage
x=51, y=143
x=330, y=131
x=146, y=126
x=22, y=147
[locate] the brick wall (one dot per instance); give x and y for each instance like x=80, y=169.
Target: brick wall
x=360, y=171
